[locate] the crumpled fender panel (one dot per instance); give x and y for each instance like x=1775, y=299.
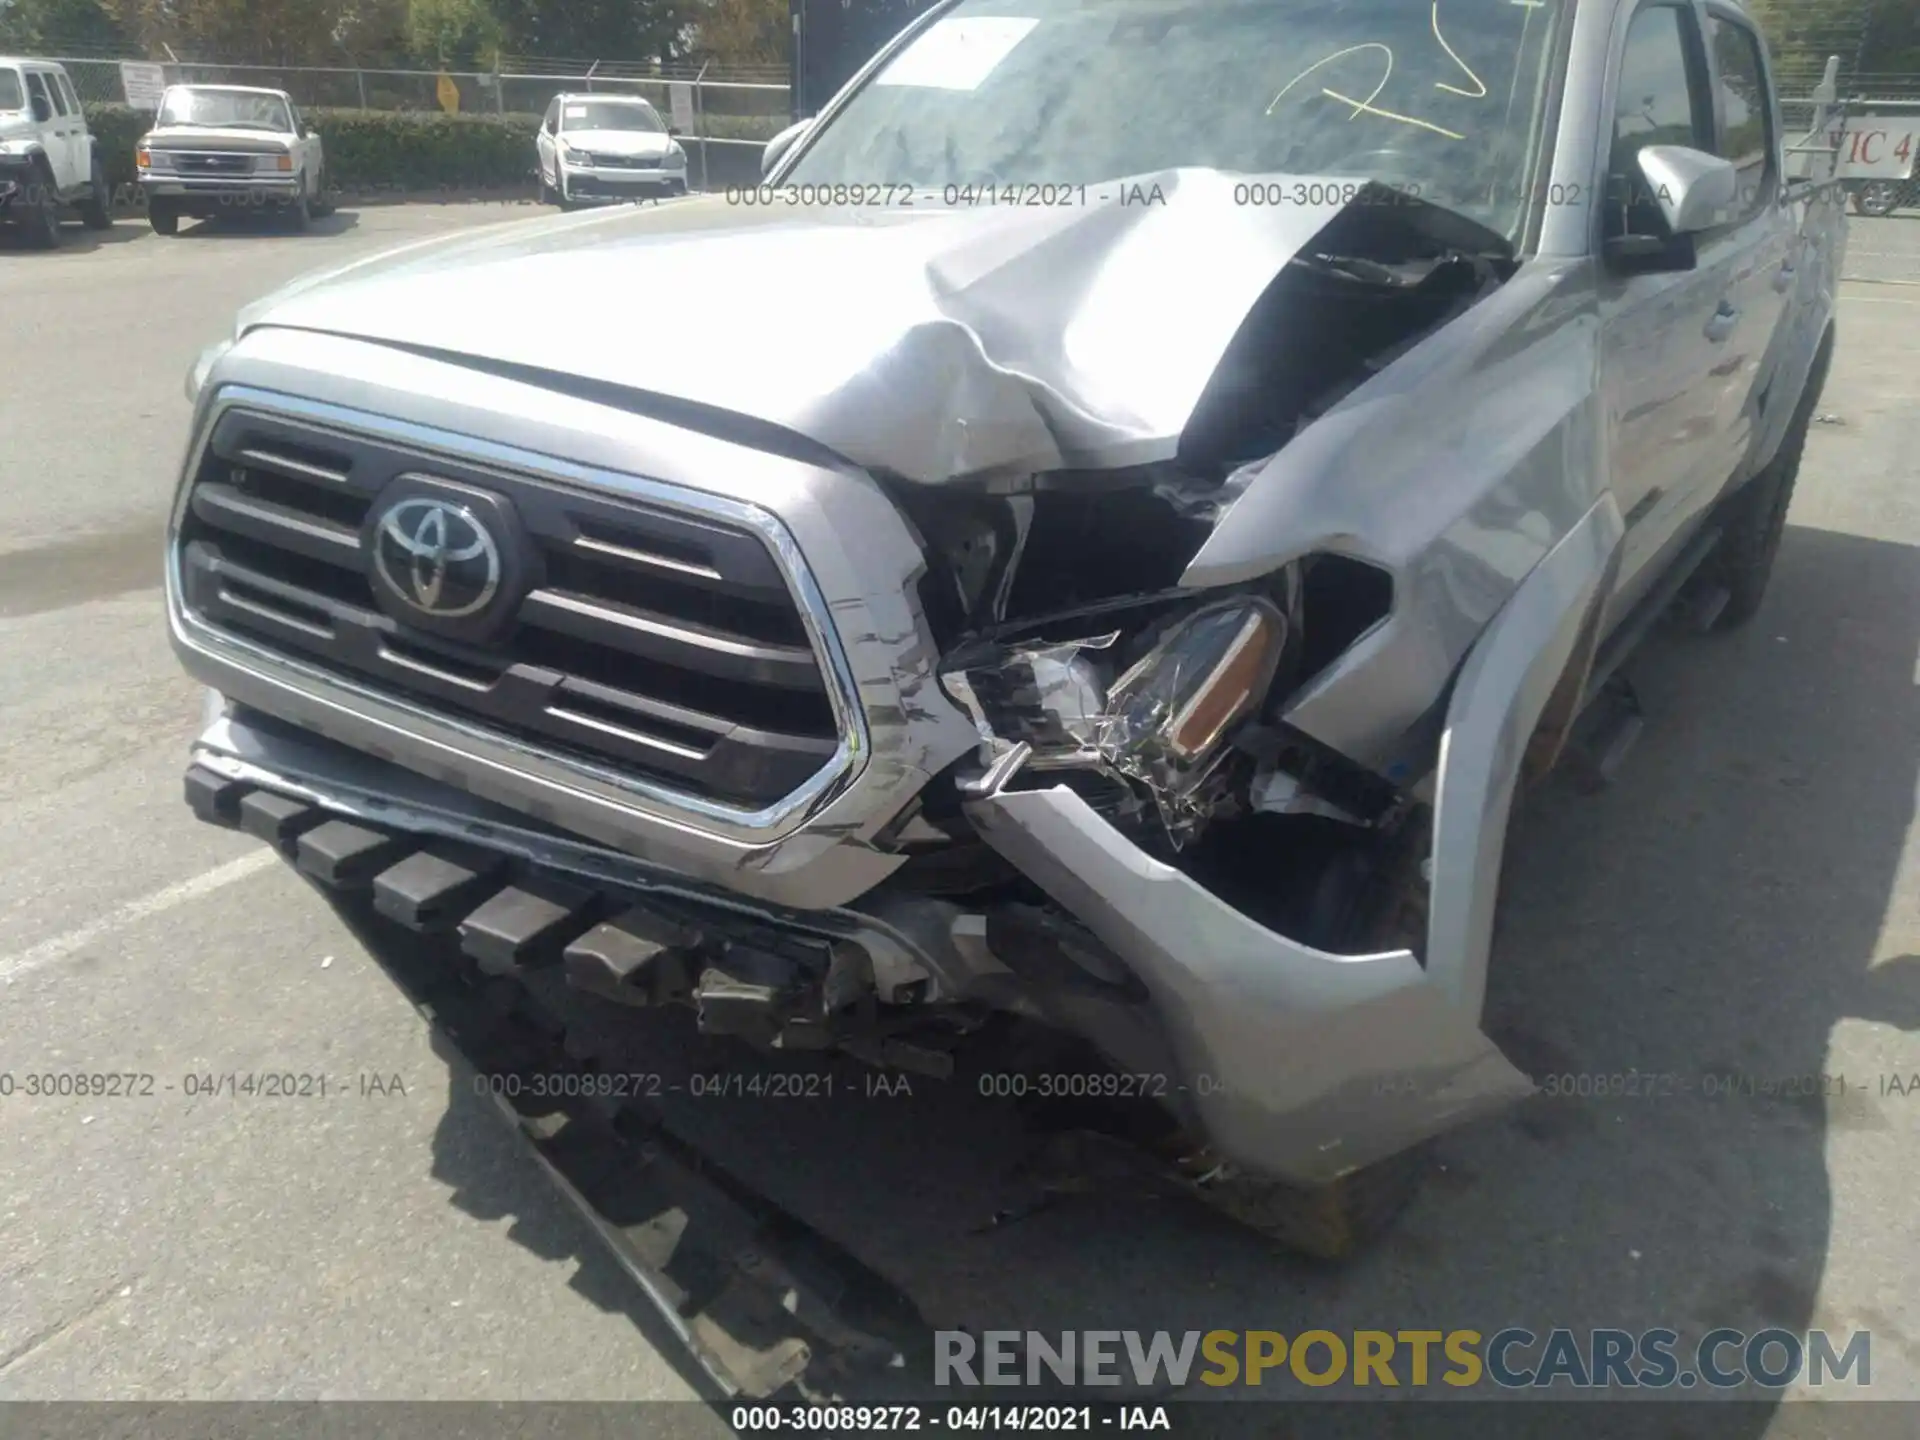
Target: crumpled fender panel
x=1303, y=1064
x=1455, y=470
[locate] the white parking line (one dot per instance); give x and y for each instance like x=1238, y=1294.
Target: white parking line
x=12, y=967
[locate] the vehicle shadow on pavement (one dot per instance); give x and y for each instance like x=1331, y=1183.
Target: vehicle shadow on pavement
x=248, y=227
x=73, y=238
x=494, y=1182
x=1698, y=930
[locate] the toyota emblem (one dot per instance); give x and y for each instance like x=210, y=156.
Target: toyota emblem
x=437, y=557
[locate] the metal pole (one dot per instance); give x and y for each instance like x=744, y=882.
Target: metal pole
x=1860, y=50
x=795, y=61
x=360, y=80
x=700, y=120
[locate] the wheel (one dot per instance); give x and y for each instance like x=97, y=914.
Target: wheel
x=299, y=213
x=43, y=216
x=322, y=204
x=96, y=211
x=1331, y=1222
x=1876, y=198
x=1756, y=517
x=548, y=195
x=164, y=219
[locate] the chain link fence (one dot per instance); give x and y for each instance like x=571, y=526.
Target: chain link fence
x=736, y=105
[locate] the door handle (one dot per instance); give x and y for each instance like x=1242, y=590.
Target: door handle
x=1722, y=323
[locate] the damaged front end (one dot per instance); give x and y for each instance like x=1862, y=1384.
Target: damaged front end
x=1146, y=849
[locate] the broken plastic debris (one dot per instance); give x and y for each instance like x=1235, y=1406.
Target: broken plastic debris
x=326, y=961
x=1049, y=696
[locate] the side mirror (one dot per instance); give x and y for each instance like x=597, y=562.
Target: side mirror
x=1694, y=190
x=42, y=110
x=780, y=144
x=673, y=132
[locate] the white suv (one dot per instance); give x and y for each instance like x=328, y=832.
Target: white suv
x=607, y=147
x=47, y=158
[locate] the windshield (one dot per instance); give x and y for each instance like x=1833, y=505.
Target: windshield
x=12, y=97
x=233, y=109
x=610, y=115
x=1443, y=99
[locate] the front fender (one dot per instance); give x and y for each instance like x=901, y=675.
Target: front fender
x=1300, y=1063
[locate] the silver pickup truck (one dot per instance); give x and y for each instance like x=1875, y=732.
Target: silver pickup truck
x=1093, y=545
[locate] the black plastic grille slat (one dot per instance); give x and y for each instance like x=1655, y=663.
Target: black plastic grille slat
x=663, y=643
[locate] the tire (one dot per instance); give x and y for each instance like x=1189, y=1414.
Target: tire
x=298, y=214
x=42, y=220
x=1756, y=517
x=1876, y=198
x=96, y=211
x=164, y=219
x=322, y=204
x=548, y=195
x=1333, y=1222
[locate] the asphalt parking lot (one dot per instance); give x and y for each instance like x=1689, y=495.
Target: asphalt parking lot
x=1744, y=902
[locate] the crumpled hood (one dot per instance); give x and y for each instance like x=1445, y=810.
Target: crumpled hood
x=215, y=137
x=926, y=341
x=619, y=142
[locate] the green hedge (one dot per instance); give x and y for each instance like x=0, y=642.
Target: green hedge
x=375, y=149
x=403, y=150
x=116, y=130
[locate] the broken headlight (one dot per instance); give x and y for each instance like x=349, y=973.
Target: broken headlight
x=1159, y=722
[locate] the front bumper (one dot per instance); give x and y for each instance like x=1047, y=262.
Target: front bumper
x=16, y=179
x=214, y=194
x=588, y=182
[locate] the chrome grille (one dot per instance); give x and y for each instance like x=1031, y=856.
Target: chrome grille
x=208, y=162
x=624, y=162
x=666, y=644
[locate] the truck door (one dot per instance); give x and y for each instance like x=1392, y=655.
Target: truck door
x=55, y=125
x=72, y=126
x=1761, y=241
x=1657, y=346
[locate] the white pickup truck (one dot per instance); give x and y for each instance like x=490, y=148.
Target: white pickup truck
x=231, y=150
x=48, y=159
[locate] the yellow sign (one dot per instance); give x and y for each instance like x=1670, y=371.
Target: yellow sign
x=449, y=93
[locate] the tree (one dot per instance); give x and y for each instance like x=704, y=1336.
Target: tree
x=53, y=27
x=459, y=33
x=271, y=32
x=742, y=32
x=595, y=29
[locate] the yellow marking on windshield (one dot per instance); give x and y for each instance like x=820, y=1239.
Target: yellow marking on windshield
x=1479, y=94
x=1328, y=60
x=1360, y=107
